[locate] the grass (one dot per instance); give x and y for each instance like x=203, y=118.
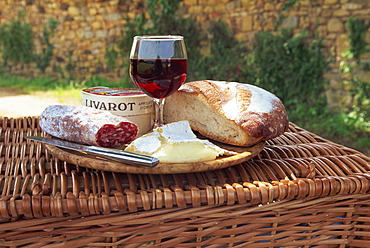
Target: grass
x=347, y=129
x=49, y=87
x=36, y=85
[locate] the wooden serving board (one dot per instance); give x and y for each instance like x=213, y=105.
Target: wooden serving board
x=94, y=162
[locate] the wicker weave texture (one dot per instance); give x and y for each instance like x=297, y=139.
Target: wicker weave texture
x=300, y=191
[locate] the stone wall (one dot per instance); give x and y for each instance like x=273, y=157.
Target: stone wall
x=247, y=17
x=87, y=27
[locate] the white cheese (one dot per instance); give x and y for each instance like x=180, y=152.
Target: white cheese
x=176, y=143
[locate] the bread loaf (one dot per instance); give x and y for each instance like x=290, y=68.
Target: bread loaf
x=229, y=112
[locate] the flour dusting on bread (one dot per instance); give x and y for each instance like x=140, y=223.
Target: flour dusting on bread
x=261, y=101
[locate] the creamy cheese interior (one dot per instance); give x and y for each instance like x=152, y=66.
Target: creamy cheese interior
x=176, y=143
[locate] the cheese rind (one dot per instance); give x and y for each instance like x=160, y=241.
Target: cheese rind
x=176, y=143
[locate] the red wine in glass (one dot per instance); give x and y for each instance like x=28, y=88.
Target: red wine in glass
x=158, y=78
x=158, y=66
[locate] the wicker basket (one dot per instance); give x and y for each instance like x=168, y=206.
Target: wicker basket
x=300, y=191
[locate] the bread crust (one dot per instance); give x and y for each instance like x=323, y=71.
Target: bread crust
x=255, y=114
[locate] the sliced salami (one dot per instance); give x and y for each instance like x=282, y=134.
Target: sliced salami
x=87, y=125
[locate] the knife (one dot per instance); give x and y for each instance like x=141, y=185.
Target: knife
x=129, y=158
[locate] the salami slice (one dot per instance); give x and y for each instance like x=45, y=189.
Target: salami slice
x=87, y=125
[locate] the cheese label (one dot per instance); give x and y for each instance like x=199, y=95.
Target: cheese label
x=133, y=104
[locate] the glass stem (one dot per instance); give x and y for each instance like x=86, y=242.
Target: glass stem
x=159, y=112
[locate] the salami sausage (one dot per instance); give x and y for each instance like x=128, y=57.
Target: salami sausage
x=87, y=125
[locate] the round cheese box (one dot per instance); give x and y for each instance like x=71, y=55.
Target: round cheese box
x=133, y=104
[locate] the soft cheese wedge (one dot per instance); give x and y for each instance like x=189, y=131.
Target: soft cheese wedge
x=176, y=143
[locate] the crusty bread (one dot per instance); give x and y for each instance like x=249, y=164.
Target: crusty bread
x=229, y=112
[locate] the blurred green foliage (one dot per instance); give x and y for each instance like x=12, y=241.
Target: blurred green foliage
x=357, y=33
x=291, y=66
x=45, y=56
x=16, y=41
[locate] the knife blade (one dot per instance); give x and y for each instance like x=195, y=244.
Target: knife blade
x=129, y=158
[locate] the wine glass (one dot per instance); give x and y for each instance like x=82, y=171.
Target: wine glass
x=158, y=66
